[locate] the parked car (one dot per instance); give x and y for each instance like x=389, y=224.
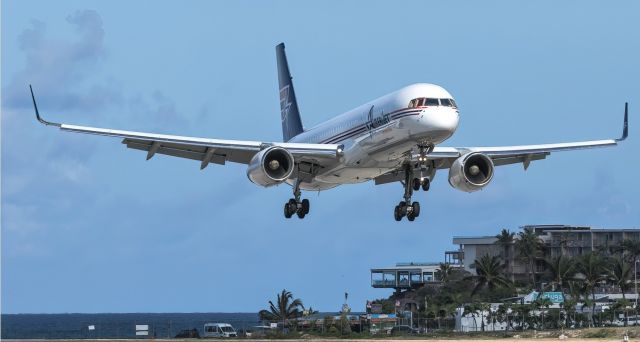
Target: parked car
x=403, y=330
x=219, y=330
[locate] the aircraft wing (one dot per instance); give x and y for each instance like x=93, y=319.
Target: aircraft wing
x=205, y=150
x=443, y=157
x=504, y=155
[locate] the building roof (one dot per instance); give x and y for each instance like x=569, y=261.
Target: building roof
x=476, y=240
x=564, y=227
x=541, y=228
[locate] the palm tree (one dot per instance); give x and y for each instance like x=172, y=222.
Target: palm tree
x=620, y=275
x=502, y=315
x=542, y=303
x=444, y=272
x=592, y=270
x=505, y=240
x=285, y=308
x=630, y=248
x=569, y=307
x=560, y=269
x=528, y=246
x=489, y=274
x=473, y=309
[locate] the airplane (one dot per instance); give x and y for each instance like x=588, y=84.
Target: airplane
x=393, y=138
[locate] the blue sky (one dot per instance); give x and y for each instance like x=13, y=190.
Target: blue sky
x=89, y=226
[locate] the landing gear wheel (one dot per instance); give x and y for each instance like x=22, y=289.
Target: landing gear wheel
x=403, y=208
x=411, y=217
x=305, y=206
x=426, y=184
x=415, y=212
x=287, y=213
x=416, y=184
x=293, y=206
x=301, y=213
x=397, y=214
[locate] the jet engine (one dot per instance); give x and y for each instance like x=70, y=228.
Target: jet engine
x=471, y=172
x=270, y=166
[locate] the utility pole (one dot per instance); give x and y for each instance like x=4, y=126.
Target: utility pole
x=635, y=282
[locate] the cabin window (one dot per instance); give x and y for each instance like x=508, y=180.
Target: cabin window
x=445, y=102
x=421, y=102
x=431, y=102
x=453, y=102
x=412, y=103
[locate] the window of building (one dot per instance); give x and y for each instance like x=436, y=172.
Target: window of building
x=389, y=278
x=377, y=278
x=415, y=278
x=404, y=278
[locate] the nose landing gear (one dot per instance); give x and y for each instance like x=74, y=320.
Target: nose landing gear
x=425, y=183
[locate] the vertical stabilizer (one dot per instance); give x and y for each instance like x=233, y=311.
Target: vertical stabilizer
x=291, y=123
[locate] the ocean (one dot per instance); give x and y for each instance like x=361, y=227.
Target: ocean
x=114, y=325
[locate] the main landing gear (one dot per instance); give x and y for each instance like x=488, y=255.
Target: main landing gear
x=295, y=205
x=407, y=208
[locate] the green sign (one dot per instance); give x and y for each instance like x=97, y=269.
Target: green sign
x=554, y=297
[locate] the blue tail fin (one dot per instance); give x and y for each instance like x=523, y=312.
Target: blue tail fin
x=291, y=123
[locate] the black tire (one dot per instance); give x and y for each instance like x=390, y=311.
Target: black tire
x=416, y=184
x=416, y=209
x=403, y=208
x=293, y=206
x=410, y=217
x=396, y=213
x=301, y=214
x=426, y=184
x=305, y=206
x=287, y=212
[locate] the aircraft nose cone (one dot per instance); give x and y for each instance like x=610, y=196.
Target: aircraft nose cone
x=440, y=124
x=445, y=120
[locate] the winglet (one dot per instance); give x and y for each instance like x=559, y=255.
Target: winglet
x=35, y=106
x=625, y=127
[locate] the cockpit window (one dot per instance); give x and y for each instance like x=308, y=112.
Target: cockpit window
x=431, y=102
x=422, y=101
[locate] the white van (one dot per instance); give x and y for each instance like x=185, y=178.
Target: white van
x=219, y=330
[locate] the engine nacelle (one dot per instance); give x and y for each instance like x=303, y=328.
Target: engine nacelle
x=270, y=166
x=471, y=172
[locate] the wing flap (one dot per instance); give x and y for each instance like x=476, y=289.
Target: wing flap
x=181, y=153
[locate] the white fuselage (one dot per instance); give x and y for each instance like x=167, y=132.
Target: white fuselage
x=379, y=135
